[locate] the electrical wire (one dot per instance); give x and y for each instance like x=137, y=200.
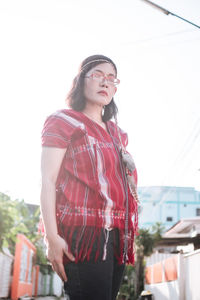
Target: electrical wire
x=157, y=37
x=192, y=138
x=167, y=12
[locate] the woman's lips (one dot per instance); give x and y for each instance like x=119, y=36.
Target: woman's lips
x=103, y=93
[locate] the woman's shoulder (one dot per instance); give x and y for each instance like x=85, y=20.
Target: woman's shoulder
x=68, y=117
x=61, y=127
x=60, y=113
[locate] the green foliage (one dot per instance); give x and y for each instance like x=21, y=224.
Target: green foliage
x=157, y=231
x=145, y=241
x=133, y=282
x=9, y=218
x=148, y=238
x=127, y=288
x=18, y=217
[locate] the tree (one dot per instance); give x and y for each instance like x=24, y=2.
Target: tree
x=145, y=243
x=17, y=217
x=157, y=231
x=8, y=222
x=133, y=282
x=127, y=289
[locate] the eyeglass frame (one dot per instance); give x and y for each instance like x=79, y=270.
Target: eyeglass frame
x=103, y=77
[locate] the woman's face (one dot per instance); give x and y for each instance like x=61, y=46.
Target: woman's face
x=98, y=87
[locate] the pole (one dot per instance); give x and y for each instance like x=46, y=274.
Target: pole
x=167, y=12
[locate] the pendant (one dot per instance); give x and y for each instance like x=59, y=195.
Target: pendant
x=128, y=161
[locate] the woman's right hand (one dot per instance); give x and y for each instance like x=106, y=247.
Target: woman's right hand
x=56, y=248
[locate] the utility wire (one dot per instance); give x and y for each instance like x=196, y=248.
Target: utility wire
x=157, y=37
x=167, y=12
x=189, y=143
x=191, y=140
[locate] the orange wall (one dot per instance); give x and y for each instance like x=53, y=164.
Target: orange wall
x=37, y=269
x=157, y=273
x=148, y=272
x=170, y=265
x=22, y=288
x=163, y=271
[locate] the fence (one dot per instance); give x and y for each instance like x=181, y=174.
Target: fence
x=19, y=276
x=175, y=277
x=192, y=275
x=6, y=261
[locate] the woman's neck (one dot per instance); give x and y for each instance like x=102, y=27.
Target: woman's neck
x=95, y=113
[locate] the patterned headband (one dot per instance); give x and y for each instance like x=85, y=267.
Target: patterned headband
x=95, y=60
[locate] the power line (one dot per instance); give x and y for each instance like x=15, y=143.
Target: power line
x=190, y=141
x=158, y=37
x=167, y=12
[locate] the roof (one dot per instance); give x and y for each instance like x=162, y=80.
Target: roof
x=184, y=228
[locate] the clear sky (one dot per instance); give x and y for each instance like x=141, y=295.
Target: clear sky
x=158, y=59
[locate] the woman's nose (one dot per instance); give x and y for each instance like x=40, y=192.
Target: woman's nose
x=104, y=82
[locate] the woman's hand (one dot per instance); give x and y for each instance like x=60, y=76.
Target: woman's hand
x=56, y=248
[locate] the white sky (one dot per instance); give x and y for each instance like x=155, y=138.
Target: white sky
x=42, y=45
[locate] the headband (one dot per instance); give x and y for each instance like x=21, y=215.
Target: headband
x=95, y=60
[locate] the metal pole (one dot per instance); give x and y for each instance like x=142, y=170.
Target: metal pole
x=167, y=12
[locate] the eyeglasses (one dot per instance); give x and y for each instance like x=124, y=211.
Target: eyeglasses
x=99, y=77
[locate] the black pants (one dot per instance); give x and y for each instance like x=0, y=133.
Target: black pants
x=90, y=280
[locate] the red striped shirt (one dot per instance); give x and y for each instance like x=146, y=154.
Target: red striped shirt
x=91, y=182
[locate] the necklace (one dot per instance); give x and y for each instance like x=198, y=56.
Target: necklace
x=102, y=124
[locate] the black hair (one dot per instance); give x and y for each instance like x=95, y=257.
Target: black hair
x=76, y=99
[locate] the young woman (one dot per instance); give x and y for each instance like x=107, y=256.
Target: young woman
x=88, y=208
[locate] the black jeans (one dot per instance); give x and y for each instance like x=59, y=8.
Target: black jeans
x=100, y=280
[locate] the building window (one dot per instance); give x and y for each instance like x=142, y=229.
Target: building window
x=198, y=212
x=169, y=219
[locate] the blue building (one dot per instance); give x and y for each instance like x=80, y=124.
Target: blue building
x=167, y=204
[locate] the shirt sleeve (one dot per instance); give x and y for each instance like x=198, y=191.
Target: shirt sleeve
x=55, y=132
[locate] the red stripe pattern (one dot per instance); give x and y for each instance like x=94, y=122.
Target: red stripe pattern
x=91, y=183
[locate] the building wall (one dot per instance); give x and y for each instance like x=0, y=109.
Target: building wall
x=167, y=204
x=5, y=274
x=57, y=285
x=174, y=277
x=164, y=291
x=164, y=278
x=192, y=275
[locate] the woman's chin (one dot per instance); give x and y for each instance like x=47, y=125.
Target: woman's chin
x=98, y=102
